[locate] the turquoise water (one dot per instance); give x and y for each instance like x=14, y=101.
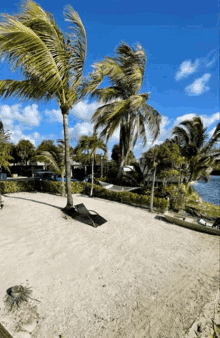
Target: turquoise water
x=209, y=192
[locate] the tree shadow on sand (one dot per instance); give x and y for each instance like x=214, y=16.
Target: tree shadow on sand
x=31, y=200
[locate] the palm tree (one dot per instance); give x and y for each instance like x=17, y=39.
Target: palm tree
x=25, y=150
x=123, y=106
x=200, y=154
x=82, y=150
x=91, y=144
x=54, y=157
x=51, y=62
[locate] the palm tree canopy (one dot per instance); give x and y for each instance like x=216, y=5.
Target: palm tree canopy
x=192, y=137
x=53, y=156
x=91, y=144
x=125, y=73
x=51, y=62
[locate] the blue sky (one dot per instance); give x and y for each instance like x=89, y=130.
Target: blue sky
x=182, y=46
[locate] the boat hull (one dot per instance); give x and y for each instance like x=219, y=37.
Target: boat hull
x=191, y=225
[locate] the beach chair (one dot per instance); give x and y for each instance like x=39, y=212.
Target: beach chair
x=82, y=214
x=216, y=224
x=4, y=333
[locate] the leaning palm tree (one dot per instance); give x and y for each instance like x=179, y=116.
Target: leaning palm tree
x=50, y=61
x=91, y=144
x=191, y=137
x=123, y=106
x=54, y=157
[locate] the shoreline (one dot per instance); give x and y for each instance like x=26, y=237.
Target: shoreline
x=200, y=195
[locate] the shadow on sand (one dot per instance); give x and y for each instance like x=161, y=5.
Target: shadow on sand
x=28, y=199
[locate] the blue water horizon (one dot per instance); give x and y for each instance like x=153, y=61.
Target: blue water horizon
x=209, y=192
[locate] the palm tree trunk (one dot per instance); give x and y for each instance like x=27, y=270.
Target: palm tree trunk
x=67, y=158
x=91, y=192
x=62, y=185
x=120, y=170
x=152, y=191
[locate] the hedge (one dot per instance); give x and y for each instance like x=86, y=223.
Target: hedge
x=82, y=187
x=126, y=197
x=16, y=186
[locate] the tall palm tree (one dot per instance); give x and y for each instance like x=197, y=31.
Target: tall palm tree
x=50, y=61
x=54, y=157
x=123, y=106
x=200, y=153
x=91, y=144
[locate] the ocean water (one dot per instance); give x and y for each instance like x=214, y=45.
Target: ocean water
x=209, y=192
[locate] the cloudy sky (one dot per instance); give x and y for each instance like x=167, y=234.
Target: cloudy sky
x=181, y=43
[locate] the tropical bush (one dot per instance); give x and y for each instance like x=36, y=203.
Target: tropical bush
x=126, y=197
x=82, y=187
x=16, y=186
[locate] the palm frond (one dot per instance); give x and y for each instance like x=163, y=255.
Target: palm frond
x=105, y=95
x=27, y=89
x=182, y=136
x=153, y=120
x=25, y=49
x=214, y=139
x=52, y=159
x=76, y=44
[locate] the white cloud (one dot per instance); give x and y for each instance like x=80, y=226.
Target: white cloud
x=179, y=119
x=54, y=115
x=16, y=135
x=198, y=87
x=209, y=120
x=84, y=128
x=28, y=116
x=211, y=58
x=186, y=68
x=84, y=110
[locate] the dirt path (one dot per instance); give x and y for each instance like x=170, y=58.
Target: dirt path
x=133, y=277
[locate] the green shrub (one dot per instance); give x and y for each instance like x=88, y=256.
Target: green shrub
x=56, y=187
x=85, y=188
x=125, y=196
x=16, y=186
x=49, y=186
x=77, y=187
x=178, y=202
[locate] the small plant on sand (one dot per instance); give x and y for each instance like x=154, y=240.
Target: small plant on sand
x=16, y=295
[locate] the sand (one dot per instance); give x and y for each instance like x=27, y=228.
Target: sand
x=135, y=276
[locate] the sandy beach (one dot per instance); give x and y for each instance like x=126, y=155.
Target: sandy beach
x=133, y=277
